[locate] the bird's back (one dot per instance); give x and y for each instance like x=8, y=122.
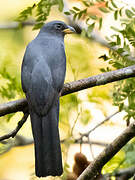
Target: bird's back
x=51, y=53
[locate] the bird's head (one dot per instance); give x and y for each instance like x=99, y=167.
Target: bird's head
x=57, y=27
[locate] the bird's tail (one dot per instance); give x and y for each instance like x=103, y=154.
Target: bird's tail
x=48, y=160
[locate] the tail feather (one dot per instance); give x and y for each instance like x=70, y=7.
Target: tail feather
x=48, y=160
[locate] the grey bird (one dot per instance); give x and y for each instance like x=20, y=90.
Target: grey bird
x=43, y=74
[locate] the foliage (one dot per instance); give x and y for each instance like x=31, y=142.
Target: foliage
x=12, y=87
x=121, y=55
x=40, y=11
x=122, y=44
x=123, y=159
x=93, y=19
x=129, y=151
x=114, y=163
x=4, y=147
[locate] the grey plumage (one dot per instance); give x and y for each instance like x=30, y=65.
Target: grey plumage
x=43, y=74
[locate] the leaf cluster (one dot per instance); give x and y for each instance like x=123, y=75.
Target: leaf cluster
x=129, y=151
x=121, y=55
x=39, y=11
x=93, y=19
x=123, y=159
x=11, y=87
x=78, y=13
x=122, y=44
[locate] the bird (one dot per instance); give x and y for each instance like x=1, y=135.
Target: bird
x=42, y=76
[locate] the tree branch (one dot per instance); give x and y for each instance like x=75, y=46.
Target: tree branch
x=75, y=86
x=15, y=25
x=95, y=167
x=13, y=106
x=102, y=122
x=15, y=131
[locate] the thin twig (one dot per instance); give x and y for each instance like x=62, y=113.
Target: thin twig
x=15, y=131
x=90, y=145
x=72, y=129
x=88, y=133
x=105, y=120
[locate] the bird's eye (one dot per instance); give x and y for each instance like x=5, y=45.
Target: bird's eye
x=58, y=27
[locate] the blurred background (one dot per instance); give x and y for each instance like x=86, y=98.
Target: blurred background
x=79, y=112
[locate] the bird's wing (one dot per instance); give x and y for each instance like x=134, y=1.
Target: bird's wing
x=43, y=73
x=37, y=83
x=41, y=93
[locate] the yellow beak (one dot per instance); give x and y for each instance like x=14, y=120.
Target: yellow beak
x=69, y=30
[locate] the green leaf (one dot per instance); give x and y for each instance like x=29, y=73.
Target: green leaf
x=112, y=43
x=87, y=21
x=81, y=13
x=115, y=29
x=74, y=100
x=100, y=1
x=116, y=15
x=120, y=50
x=72, y=11
x=76, y=9
x=93, y=17
x=83, y=33
x=100, y=23
x=113, y=4
x=85, y=117
x=61, y=5
x=67, y=13
x=105, y=10
x=75, y=16
x=133, y=9
x=107, y=4
x=118, y=40
x=105, y=70
x=40, y=18
x=120, y=11
x=38, y=26
x=92, y=4
x=110, y=8
x=129, y=13
x=90, y=28
x=25, y=14
x=86, y=3
x=102, y=70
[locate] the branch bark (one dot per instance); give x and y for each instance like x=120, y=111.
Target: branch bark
x=75, y=86
x=13, y=106
x=95, y=167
